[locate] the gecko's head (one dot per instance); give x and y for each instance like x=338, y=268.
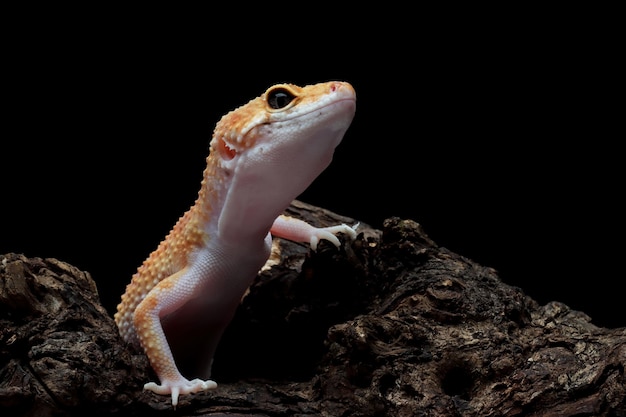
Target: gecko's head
x=278, y=143
x=284, y=117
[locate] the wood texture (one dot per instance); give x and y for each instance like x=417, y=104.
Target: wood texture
x=389, y=325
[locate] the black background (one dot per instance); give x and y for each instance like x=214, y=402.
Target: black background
x=501, y=139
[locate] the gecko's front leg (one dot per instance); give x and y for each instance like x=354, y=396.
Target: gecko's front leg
x=300, y=231
x=169, y=295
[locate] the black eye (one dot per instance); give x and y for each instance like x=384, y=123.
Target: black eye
x=279, y=98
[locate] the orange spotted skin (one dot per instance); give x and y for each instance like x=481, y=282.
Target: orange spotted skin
x=262, y=156
x=171, y=256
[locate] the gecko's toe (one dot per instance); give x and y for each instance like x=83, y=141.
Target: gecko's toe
x=175, y=389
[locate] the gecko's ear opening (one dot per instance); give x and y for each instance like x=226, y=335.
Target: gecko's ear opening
x=226, y=152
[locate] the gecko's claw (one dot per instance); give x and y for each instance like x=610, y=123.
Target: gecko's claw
x=328, y=233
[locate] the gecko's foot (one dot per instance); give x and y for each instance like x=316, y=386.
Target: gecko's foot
x=182, y=386
x=328, y=233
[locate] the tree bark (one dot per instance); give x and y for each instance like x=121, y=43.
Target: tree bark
x=388, y=325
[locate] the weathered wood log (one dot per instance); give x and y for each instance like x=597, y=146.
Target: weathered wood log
x=389, y=325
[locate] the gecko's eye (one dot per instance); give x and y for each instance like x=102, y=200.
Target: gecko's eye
x=279, y=98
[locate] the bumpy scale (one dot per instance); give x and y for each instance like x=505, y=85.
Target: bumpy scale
x=262, y=156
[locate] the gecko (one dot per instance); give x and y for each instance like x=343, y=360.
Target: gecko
x=262, y=155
